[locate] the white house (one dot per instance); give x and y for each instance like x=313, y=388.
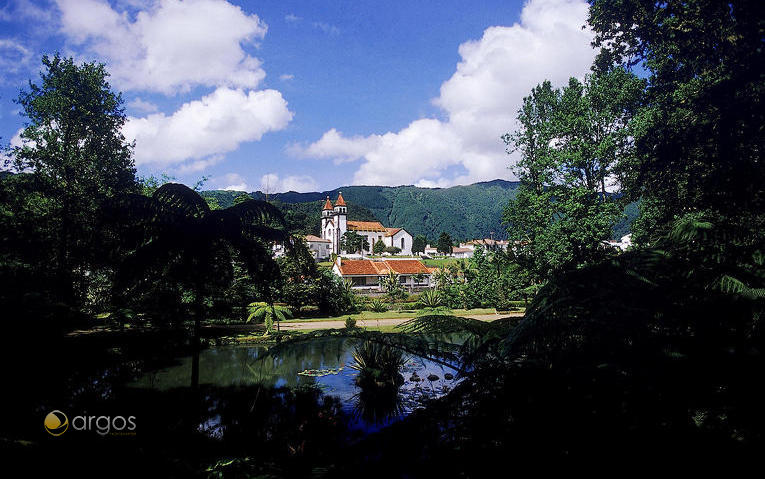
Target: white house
x=487, y=243
x=320, y=248
x=623, y=244
x=457, y=252
x=334, y=224
x=462, y=252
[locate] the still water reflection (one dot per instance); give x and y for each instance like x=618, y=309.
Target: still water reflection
x=323, y=363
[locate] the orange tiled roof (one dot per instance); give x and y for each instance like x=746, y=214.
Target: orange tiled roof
x=340, y=201
x=486, y=241
x=366, y=226
x=392, y=231
x=363, y=267
x=327, y=204
x=408, y=266
x=367, y=267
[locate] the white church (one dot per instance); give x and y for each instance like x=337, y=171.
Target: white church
x=334, y=224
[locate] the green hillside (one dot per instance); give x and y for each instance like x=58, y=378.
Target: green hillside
x=302, y=218
x=465, y=212
x=471, y=211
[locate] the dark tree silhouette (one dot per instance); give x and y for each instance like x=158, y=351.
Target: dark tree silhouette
x=173, y=236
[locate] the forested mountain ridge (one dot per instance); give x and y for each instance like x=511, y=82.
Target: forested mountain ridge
x=469, y=211
x=465, y=212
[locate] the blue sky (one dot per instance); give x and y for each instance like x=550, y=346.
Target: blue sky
x=307, y=95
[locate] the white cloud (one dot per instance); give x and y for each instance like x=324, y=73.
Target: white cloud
x=142, y=105
x=234, y=182
x=16, y=141
x=271, y=183
x=480, y=102
x=200, y=131
x=170, y=46
x=326, y=28
x=25, y=10
x=333, y=145
x=286, y=77
x=292, y=18
x=14, y=57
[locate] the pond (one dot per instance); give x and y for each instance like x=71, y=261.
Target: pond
x=324, y=364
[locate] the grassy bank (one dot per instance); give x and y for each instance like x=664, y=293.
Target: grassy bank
x=389, y=315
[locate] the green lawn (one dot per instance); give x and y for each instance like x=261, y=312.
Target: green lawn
x=390, y=314
x=438, y=262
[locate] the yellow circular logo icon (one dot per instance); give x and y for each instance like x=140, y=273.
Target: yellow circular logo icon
x=56, y=423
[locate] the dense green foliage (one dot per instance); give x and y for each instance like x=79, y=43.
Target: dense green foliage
x=74, y=157
x=489, y=279
x=268, y=314
x=352, y=242
x=572, y=142
x=699, y=145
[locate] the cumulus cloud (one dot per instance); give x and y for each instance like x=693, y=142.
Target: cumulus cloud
x=170, y=45
x=234, y=182
x=142, y=105
x=200, y=131
x=480, y=102
x=272, y=183
x=333, y=145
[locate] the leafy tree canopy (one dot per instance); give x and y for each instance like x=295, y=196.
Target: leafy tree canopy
x=573, y=142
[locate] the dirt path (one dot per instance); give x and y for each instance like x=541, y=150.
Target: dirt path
x=286, y=326
x=373, y=323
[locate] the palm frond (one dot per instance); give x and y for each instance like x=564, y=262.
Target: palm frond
x=178, y=197
x=256, y=212
x=444, y=324
x=729, y=285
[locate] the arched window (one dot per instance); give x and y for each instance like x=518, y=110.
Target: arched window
x=402, y=244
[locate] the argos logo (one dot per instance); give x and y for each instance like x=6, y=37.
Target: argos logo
x=57, y=423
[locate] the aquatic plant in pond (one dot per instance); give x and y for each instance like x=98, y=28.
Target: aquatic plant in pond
x=379, y=365
x=317, y=373
x=379, y=379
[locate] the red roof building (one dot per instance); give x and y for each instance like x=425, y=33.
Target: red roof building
x=366, y=273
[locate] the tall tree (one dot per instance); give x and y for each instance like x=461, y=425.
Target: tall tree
x=700, y=145
x=379, y=248
x=418, y=244
x=352, y=242
x=444, y=244
x=74, y=148
x=572, y=143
